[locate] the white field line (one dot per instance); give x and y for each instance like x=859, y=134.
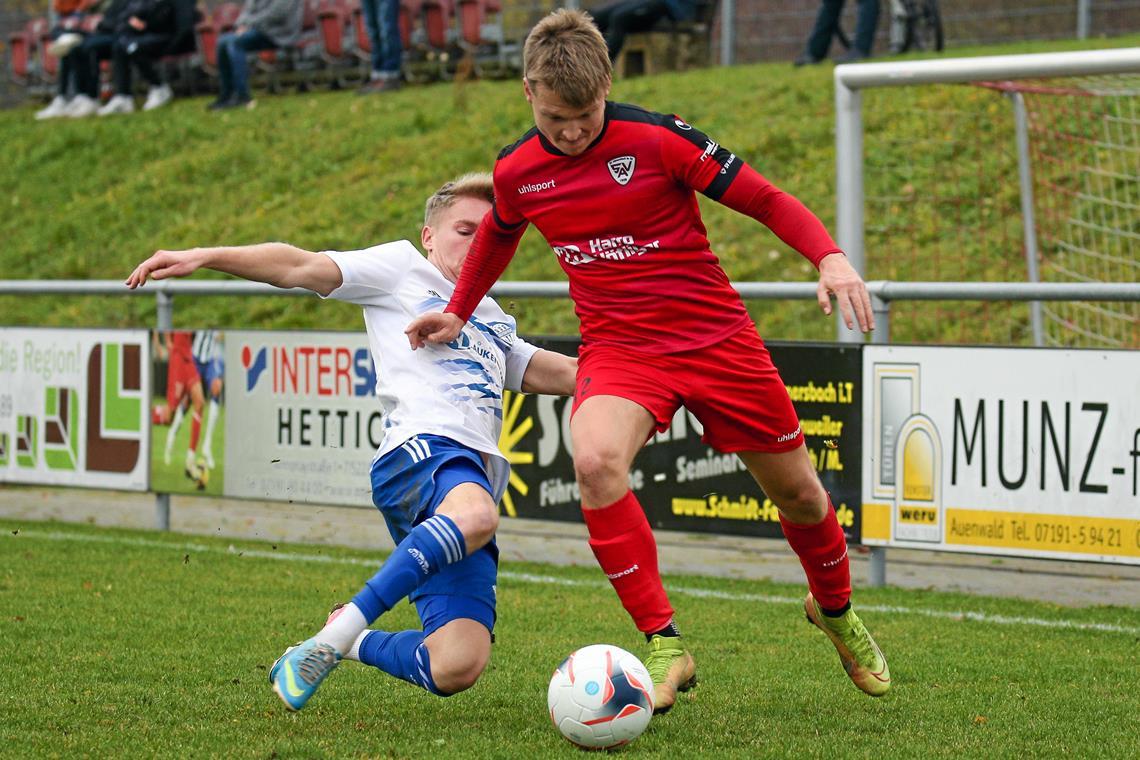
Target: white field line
x=551, y=580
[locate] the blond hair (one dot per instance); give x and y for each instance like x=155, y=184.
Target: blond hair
x=566, y=53
x=474, y=185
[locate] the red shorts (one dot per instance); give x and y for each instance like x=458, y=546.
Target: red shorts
x=180, y=375
x=732, y=387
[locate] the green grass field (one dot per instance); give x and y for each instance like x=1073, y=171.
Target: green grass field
x=132, y=644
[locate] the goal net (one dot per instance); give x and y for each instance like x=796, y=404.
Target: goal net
x=943, y=202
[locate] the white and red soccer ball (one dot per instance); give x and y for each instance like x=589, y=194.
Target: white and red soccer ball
x=601, y=696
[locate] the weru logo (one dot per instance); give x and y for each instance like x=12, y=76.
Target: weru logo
x=514, y=430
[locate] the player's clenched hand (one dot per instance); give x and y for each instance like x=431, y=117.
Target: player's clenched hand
x=838, y=278
x=435, y=327
x=164, y=264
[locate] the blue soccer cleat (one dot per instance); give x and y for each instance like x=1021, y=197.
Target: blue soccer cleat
x=297, y=673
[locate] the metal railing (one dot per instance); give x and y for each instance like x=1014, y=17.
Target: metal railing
x=883, y=292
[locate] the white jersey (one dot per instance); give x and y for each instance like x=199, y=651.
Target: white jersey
x=453, y=390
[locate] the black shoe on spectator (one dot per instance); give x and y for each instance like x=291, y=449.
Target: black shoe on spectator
x=806, y=59
x=851, y=56
x=233, y=101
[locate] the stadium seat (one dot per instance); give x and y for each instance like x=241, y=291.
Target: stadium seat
x=21, y=57
x=409, y=13
x=299, y=63
x=49, y=64
x=335, y=20
x=208, y=31
x=437, y=15
x=473, y=27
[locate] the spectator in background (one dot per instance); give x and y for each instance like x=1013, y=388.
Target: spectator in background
x=827, y=26
x=382, y=18
x=262, y=25
x=66, y=34
x=616, y=20
x=149, y=30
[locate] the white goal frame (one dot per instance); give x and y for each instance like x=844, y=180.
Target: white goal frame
x=851, y=79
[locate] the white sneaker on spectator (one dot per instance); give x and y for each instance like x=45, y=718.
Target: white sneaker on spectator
x=118, y=104
x=157, y=97
x=64, y=44
x=82, y=106
x=56, y=108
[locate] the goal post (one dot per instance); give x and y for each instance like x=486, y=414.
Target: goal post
x=997, y=168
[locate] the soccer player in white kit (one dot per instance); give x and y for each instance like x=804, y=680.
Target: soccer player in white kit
x=438, y=474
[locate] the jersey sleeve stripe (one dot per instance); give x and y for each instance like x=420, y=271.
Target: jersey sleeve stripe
x=730, y=165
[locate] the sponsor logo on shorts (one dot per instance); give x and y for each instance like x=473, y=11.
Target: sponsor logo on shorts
x=788, y=436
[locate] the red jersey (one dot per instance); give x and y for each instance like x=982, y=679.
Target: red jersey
x=623, y=219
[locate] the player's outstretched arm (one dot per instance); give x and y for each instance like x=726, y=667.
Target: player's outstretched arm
x=550, y=372
x=279, y=264
x=838, y=278
x=433, y=327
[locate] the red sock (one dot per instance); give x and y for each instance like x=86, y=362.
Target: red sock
x=822, y=550
x=195, y=430
x=623, y=542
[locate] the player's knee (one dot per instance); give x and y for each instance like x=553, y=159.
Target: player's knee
x=459, y=674
x=596, y=468
x=480, y=525
x=802, y=502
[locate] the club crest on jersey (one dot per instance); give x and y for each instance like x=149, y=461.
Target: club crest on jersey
x=621, y=169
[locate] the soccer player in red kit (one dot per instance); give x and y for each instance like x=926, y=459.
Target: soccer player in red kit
x=612, y=189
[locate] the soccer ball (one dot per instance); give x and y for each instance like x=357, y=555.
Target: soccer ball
x=601, y=696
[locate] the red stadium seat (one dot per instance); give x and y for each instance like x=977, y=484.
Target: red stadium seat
x=335, y=20
x=409, y=12
x=49, y=64
x=207, y=32
x=472, y=18
x=437, y=16
x=21, y=57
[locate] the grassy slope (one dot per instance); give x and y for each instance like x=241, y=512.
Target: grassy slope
x=328, y=170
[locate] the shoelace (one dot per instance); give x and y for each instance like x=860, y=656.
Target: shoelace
x=316, y=662
x=659, y=660
x=858, y=640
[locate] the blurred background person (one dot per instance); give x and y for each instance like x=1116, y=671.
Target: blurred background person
x=149, y=30
x=616, y=20
x=827, y=27
x=262, y=25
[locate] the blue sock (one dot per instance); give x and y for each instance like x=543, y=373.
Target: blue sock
x=427, y=549
x=402, y=655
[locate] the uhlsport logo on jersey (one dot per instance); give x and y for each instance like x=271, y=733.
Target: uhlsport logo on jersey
x=621, y=169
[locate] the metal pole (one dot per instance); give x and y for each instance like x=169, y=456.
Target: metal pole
x=727, y=31
x=881, y=308
x=162, y=511
x=849, y=186
x=1084, y=15
x=1028, y=221
x=164, y=306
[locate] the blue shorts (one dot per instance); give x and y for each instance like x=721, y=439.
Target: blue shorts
x=408, y=484
x=209, y=370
